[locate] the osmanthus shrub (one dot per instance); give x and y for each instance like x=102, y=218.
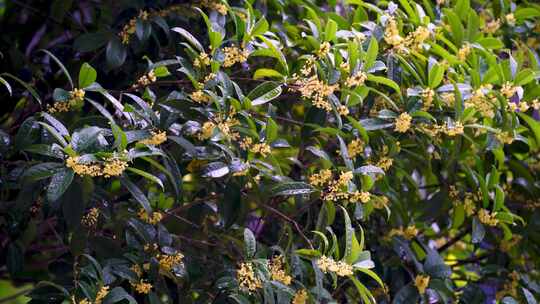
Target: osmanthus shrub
x=278, y=152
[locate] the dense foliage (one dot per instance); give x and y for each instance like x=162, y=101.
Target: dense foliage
x=279, y=151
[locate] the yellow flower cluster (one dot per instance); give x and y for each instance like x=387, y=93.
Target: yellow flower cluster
x=224, y=124
x=421, y=282
x=335, y=189
x=234, y=54
x=146, y=79
x=523, y=106
x=137, y=269
x=355, y=148
x=427, y=96
x=157, y=138
x=91, y=218
x=403, y=123
x=111, y=167
x=246, y=277
x=357, y=79
x=456, y=129
x=343, y=110
x=480, y=101
x=324, y=49
x=408, y=233
x=508, y=89
x=464, y=52
x=101, y=294
x=360, y=196
x=199, y=96
x=321, y=178
x=505, y=138
x=510, y=19
x=385, y=163
x=277, y=271
x=202, y=60
x=492, y=26
x=341, y=269
x=391, y=33
x=414, y=40
x=506, y=246
x=76, y=97
x=487, y=218
x=317, y=91
x=168, y=261
x=380, y=202
x=142, y=287
x=215, y=5
x=152, y=219
x=129, y=28
x=300, y=297
x=259, y=148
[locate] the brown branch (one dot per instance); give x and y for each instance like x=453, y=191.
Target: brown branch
x=293, y=222
x=454, y=240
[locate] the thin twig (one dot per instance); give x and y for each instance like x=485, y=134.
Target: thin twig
x=293, y=222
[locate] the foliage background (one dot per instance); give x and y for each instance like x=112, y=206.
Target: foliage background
x=269, y=151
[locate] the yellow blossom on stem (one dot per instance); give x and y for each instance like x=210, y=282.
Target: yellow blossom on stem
x=421, y=282
x=355, y=148
x=300, y=297
x=356, y=80
x=233, y=55
x=324, y=49
x=90, y=219
x=101, y=294
x=168, y=261
x=246, y=277
x=142, y=287
x=487, y=218
x=277, y=271
x=341, y=269
x=403, y=123
x=157, y=138
x=152, y=219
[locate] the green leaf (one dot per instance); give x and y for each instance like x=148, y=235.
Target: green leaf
x=524, y=77
x=491, y=43
x=478, y=231
x=91, y=41
x=41, y=171
x=190, y=38
x=161, y=71
x=330, y=31
x=137, y=194
x=115, y=53
x=148, y=176
x=260, y=27
x=268, y=91
x=455, y=25
x=62, y=67
x=436, y=75
x=117, y=295
x=291, y=188
x=385, y=81
x=59, y=184
x=25, y=85
x=250, y=243
x=87, y=75
x=263, y=72
x=371, y=54
x=271, y=130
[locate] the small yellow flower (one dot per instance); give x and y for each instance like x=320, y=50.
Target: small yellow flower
x=421, y=282
x=356, y=80
x=492, y=26
x=510, y=19
x=321, y=178
x=101, y=294
x=168, y=261
x=355, y=148
x=91, y=218
x=324, y=49
x=300, y=297
x=261, y=148
x=157, y=138
x=277, y=271
x=487, y=218
x=152, y=219
x=246, y=277
x=327, y=264
x=233, y=55
x=202, y=60
x=137, y=269
x=199, y=97
x=403, y=123
x=343, y=110
x=142, y=287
